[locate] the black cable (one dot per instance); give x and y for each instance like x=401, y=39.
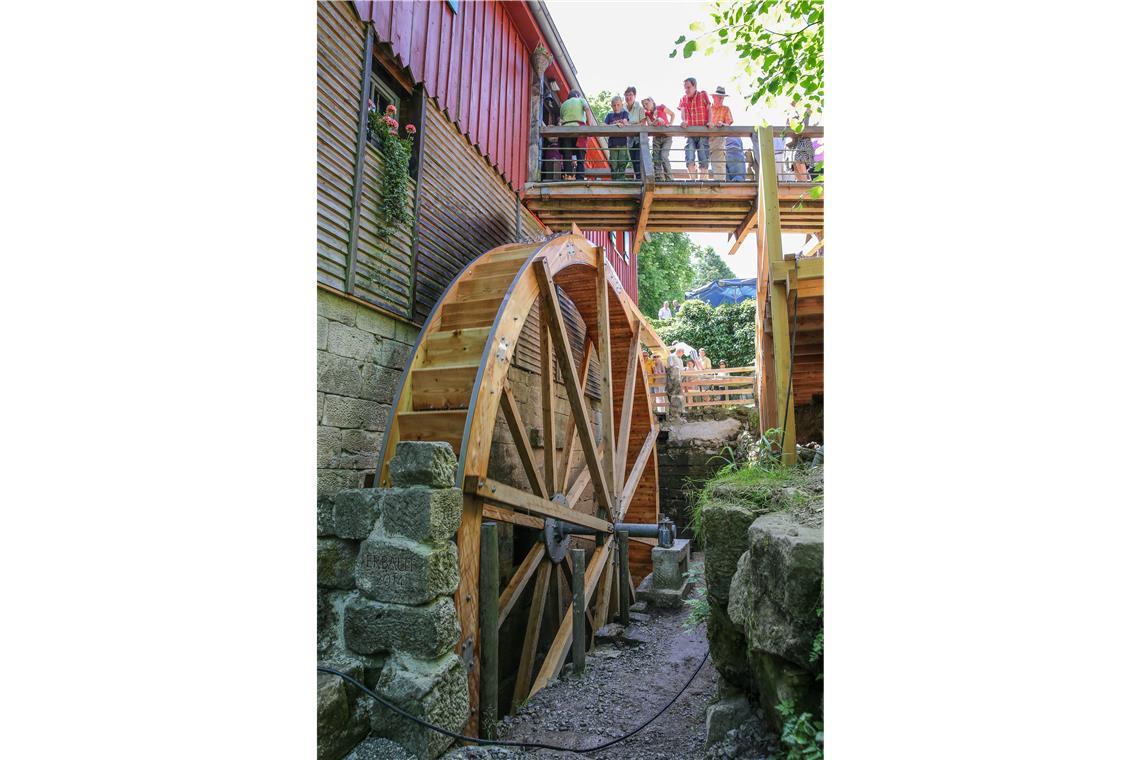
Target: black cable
x=505, y=743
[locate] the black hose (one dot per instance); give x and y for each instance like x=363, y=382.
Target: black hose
x=505, y=743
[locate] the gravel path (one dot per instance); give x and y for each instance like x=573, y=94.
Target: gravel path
x=625, y=683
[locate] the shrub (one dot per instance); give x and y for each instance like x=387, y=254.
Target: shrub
x=726, y=332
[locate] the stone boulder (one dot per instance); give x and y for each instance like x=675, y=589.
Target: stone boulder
x=774, y=596
x=434, y=690
x=341, y=721
x=778, y=588
x=426, y=463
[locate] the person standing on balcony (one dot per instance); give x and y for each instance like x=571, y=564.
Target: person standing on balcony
x=573, y=113
x=721, y=116
x=619, y=151
x=636, y=116
x=695, y=112
x=803, y=152
x=659, y=116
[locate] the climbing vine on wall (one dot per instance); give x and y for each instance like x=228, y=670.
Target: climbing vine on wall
x=397, y=152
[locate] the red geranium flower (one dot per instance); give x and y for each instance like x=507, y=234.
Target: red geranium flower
x=411, y=129
x=390, y=109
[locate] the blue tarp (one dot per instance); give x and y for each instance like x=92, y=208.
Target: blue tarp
x=725, y=291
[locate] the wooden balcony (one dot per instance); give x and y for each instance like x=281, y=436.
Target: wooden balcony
x=652, y=204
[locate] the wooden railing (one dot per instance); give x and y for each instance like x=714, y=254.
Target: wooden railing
x=732, y=386
x=738, y=164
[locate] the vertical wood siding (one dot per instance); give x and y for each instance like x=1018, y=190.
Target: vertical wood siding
x=340, y=53
x=383, y=267
x=626, y=272
x=473, y=63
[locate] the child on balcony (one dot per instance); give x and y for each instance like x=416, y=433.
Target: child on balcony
x=659, y=116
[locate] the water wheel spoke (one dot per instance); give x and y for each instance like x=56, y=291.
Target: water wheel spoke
x=605, y=362
x=638, y=468
x=631, y=375
x=518, y=581
x=568, y=438
x=561, y=341
x=518, y=434
x=533, y=627
x=556, y=655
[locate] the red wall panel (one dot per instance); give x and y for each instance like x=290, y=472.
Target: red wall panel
x=474, y=63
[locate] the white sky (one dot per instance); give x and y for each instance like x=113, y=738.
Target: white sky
x=614, y=44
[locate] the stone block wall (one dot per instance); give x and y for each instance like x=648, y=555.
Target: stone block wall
x=385, y=607
x=687, y=455
x=360, y=359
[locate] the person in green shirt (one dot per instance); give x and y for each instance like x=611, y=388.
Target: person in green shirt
x=573, y=113
x=636, y=116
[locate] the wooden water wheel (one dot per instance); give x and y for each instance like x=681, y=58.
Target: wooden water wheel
x=456, y=384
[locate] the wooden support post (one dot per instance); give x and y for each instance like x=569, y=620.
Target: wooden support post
x=623, y=582
x=578, y=560
x=467, y=601
x=488, y=628
x=785, y=408
x=546, y=363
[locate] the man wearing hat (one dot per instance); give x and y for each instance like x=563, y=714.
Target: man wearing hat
x=720, y=116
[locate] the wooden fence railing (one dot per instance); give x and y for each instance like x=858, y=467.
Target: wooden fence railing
x=732, y=386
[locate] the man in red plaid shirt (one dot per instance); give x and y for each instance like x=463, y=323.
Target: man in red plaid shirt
x=695, y=112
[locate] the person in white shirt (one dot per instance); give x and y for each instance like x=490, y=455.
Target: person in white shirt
x=664, y=313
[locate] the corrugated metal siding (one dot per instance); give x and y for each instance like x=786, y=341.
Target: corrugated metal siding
x=473, y=63
x=383, y=267
x=340, y=55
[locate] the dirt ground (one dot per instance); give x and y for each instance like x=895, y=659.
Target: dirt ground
x=624, y=684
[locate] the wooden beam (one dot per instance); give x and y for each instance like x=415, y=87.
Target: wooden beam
x=518, y=581
x=602, y=602
x=530, y=641
x=631, y=374
x=745, y=227
x=638, y=468
x=648, y=188
x=518, y=433
x=556, y=655
x=563, y=480
x=785, y=410
x=493, y=490
x=561, y=340
x=605, y=364
x=502, y=514
x=489, y=622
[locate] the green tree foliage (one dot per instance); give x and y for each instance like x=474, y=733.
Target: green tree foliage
x=600, y=105
x=779, y=44
x=726, y=332
x=664, y=270
x=707, y=267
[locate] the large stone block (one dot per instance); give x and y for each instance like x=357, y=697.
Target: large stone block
x=322, y=333
x=350, y=342
x=723, y=716
x=395, y=569
x=434, y=690
x=359, y=449
x=778, y=588
x=339, y=725
x=336, y=563
x=670, y=564
x=337, y=374
x=392, y=354
x=336, y=308
x=330, y=482
x=328, y=446
x=379, y=383
x=355, y=512
x=345, y=412
x=427, y=515
x=725, y=539
x=376, y=323
x=426, y=631
x=426, y=463
x=326, y=525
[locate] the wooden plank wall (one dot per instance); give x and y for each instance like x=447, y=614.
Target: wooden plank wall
x=340, y=53
x=383, y=267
